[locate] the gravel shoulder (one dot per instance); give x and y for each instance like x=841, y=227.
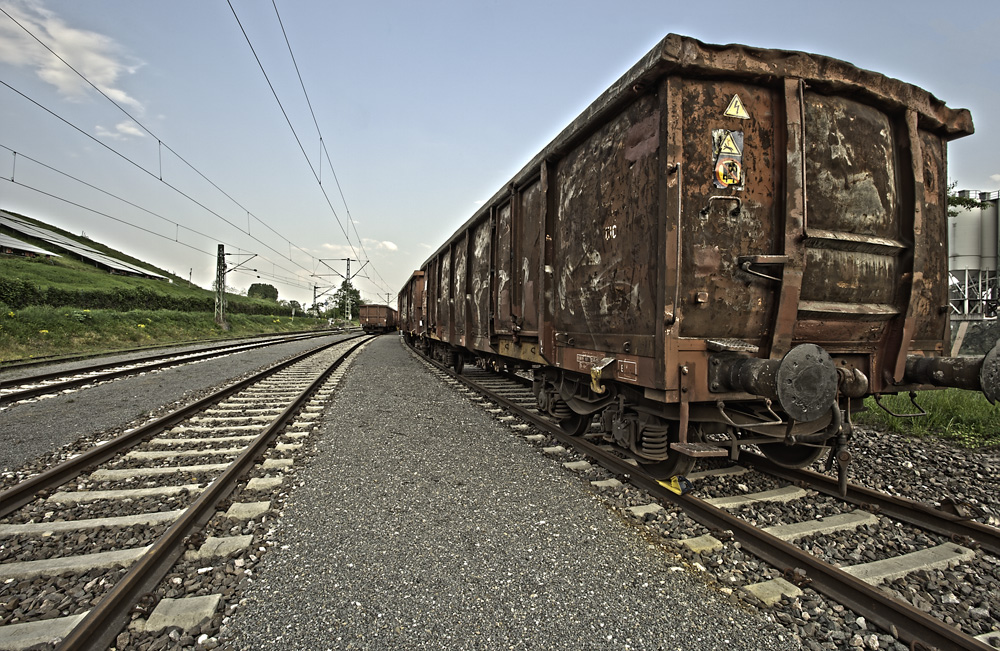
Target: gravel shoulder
x=420, y=522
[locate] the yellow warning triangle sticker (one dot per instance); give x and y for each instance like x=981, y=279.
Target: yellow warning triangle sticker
x=736, y=109
x=729, y=147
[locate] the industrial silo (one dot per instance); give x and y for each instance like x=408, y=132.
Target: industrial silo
x=973, y=248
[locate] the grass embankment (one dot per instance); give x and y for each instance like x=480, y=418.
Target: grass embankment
x=42, y=331
x=58, y=305
x=964, y=418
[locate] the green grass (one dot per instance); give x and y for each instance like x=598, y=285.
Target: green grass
x=66, y=273
x=70, y=276
x=102, y=312
x=42, y=331
x=964, y=418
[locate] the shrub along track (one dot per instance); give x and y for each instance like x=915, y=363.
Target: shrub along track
x=85, y=596
x=788, y=546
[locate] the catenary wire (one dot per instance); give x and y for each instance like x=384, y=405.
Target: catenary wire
x=27, y=186
x=167, y=184
x=295, y=134
x=322, y=142
x=160, y=143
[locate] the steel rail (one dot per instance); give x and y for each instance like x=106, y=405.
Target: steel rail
x=158, y=361
x=901, y=619
x=48, y=360
x=102, y=623
x=910, y=511
x=24, y=492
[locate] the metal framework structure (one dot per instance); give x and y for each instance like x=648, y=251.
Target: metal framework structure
x=973, y=279
x=974, y=294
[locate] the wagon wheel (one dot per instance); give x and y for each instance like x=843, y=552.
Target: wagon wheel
x=458, y=362
x=577, y=424
x=792, y=456
x=675, y=464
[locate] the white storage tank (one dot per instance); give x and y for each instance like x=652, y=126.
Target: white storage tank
x=973, y=244
x=990, y=231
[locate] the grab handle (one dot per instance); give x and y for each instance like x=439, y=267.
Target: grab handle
x=746, y=263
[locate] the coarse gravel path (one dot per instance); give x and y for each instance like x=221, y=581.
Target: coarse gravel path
x=420, y=522
x=30, y=430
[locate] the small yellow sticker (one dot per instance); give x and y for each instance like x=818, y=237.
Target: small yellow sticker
x=729, y=147
x=736, y=109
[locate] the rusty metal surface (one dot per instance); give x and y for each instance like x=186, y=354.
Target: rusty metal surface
x=606, y=257
x=411, y=304
x=763, y=198
x=504, y=265
x=933, y=296
x=721, y=225
x=853, y=285
x=377, y=316
x=528, y=271
x=459, y=282
x=481, y=273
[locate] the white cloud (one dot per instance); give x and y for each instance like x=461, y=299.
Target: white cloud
x=995, y=178
x=341, y=250
x=95, y=56
x=371, y=246
x=375, y=245
x=121, y=131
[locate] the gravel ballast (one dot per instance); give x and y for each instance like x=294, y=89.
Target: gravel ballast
x=32, y=429
x=421, y=522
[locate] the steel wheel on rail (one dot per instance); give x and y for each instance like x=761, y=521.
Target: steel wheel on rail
x=576, y=424
x=675, y=464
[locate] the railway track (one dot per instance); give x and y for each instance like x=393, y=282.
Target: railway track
x=739, y=513
x=85, y=546
x=50, y=383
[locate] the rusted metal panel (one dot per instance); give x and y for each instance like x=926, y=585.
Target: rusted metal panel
x=855, y=282
x=605, y=259
x=431, y=297
x=458, y=283
x=503, y=282
x=481, y=271
x=531, y=223
x=932, y=298
x=419, y=302
x=851, y=167
x=722, y=225
x=444, y=316
x=411, y=304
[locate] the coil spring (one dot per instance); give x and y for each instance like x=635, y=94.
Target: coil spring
x=560, y=410
x=654, y=439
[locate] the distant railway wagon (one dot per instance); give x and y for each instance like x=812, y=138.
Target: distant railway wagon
x=378, y=319
x=730, y=246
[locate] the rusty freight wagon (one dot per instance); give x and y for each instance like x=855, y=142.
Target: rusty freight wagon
x=731, y=245
x=377, y=319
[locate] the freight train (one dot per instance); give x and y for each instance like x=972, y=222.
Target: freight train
x=730, y=246
x=378, y=319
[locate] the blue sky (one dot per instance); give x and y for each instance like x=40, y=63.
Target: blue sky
x=426, y=109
